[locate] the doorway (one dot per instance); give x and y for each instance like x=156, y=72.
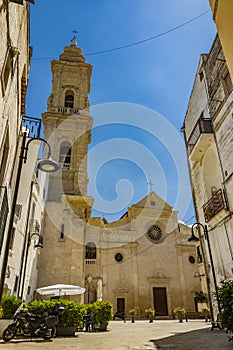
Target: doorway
x=121, y=305
x=160, y=301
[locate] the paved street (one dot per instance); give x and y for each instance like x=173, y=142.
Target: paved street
x=141, y=335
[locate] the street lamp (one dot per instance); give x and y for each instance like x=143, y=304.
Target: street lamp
x=47, y=165
x=193, y=238
x=38, y=244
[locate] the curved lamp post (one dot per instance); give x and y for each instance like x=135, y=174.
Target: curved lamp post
x=193, y=238
x=38, y=244
x=47, y=165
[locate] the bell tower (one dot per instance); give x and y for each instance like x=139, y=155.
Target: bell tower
x=67, y=128
x=67, y=122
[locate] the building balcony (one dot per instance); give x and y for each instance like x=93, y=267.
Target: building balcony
x=215, y=205
x=90, y=261
x=200, y=139
x=32, y=125
x=67, y=110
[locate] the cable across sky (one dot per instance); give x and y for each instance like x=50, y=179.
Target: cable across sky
x=136, y=42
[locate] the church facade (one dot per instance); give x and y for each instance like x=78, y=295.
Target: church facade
x=142, y=260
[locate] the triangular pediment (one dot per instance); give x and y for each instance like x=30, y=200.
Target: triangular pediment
x=152, y=201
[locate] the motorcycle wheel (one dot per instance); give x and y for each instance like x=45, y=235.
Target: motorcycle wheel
x=9, y=333
x=48, y=333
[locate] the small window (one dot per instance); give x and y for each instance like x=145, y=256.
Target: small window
x=199, y=256
x=118, y=257
x=62, y=232
x=90, y=250
x=69, y=99
x=192, y=259
x=16, y=283
x=7, y=67
x=201, y=75
x=65, y=156
x=12, y=239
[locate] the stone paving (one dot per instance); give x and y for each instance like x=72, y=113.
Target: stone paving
x=141, y=335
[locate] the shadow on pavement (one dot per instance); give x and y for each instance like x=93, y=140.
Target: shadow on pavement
x=202, y=339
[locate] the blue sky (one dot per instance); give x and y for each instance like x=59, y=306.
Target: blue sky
x=151, y=78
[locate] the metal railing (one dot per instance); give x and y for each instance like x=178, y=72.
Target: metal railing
x=203, y=126
x=214, y=205
x=90, y=261
x=65, y=166
x=67, y=110
x=33, y=125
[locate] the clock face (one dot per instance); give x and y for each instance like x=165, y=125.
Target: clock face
x=154, y=233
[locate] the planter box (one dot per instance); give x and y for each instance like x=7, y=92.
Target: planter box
x=65, y=331
x=103, y=326
x=4, y=324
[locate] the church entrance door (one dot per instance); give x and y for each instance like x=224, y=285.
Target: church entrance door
x=121, y=305
x=160, y=301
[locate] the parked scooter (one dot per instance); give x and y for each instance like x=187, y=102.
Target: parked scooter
x=31, y=325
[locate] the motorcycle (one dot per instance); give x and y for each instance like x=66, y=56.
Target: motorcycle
x=31, y=325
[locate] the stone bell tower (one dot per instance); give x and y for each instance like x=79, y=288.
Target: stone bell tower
x=67, y=127
x=67, y=123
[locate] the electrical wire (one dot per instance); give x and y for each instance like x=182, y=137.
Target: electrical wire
x=136, y=42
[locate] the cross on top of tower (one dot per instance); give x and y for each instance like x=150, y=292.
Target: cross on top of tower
x=73, y=41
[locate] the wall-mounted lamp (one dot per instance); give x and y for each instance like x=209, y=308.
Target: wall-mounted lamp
x=39, y=243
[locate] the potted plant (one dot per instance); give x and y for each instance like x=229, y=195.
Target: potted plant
x=103, y=313
x=133, y=312
x=206, y=313
x=150, y=312
x=180, y=311
x=8, y=308
x=71, y=319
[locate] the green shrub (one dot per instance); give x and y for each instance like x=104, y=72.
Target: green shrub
x=72, y=316
x=103, y=311
x=9, y=306
x=225, y=293
x=39, y=307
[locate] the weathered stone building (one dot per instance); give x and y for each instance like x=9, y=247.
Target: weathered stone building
x=15, y=57
x=222, y=16
x=208, y=129
x=139, y=261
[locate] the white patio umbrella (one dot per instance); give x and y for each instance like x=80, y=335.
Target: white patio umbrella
x=61, y=289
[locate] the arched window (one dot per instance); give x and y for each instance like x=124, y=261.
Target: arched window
x=62, y=232
x=90, y=250
x=65, y=156
x=69, y=99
